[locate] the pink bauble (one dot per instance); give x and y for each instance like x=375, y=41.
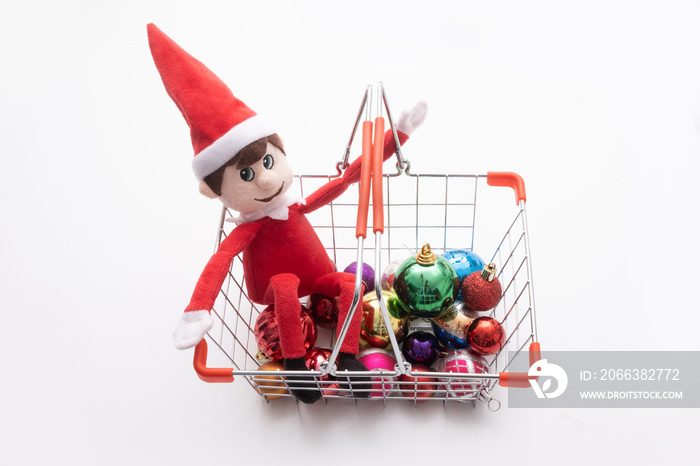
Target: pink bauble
x=375, y=360
x=462, y=362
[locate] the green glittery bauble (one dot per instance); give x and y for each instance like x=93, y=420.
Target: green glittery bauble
x=426, y=284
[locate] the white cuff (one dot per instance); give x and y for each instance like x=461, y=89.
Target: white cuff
x=191, y=329
x=412, y=119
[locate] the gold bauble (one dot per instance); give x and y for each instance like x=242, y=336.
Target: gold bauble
x=374, y=332
x=271, y=386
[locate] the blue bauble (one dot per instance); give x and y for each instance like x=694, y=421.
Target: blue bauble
x=465, y=262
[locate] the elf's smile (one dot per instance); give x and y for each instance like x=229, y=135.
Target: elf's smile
x=268, y=199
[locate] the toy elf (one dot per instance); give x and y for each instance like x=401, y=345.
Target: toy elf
x=240, y=160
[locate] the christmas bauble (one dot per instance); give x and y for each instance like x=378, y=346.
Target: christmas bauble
x=268, y=337
x=419, y=387
x=373, y=331
x=389, y=274
x=462, y=362
x=272, y=387
x=465, y=262
x=375, y=360
x=450, y=327
x=421, y=348
x=481, y=291
x=395, y=308
x=324, y=310
x=426, y=284
x=367, y=274
x=486, y=335
x=314, y=358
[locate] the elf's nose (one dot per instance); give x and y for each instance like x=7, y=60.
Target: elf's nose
x=267, y=179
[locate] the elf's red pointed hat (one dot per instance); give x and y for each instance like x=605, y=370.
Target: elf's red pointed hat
x=220, y=124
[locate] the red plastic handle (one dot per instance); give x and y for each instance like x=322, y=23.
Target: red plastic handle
x=377, y=182
x=508, y=180
x=521, y=379
x=209, y=374
x=365, y=180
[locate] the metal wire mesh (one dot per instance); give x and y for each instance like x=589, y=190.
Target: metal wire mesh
x=434, y=208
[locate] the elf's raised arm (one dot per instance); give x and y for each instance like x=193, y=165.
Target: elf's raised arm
x=406, y=125
x=197, y=321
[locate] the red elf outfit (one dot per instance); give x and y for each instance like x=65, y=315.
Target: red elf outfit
x=283, y=258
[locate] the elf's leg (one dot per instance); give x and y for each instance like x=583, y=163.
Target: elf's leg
x=282, y=291
x=342, y=285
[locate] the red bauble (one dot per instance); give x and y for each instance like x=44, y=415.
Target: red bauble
x=418, y=387
x=481, y=291
x=314, y=358
x=268, y=337
x=324, y=310
x=485, y=335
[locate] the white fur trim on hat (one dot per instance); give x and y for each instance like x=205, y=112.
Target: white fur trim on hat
x=227, y=146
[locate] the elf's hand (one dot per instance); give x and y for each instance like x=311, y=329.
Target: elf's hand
x=191, y=329
x=410, y=120
x=407, y=123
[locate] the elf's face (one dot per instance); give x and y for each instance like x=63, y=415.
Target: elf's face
x=251, y=188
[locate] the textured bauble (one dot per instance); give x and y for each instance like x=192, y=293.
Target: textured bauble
x=271, y=386
x=481, y=291
x=324, y=310
x=373, y=331
x=376, y=360
x=421, y=348
x=267, y=333
x=462, y=362
x=486, y=335
x=367, y=274
x=389, y=274
x=465, y=262
x=426, y=284
x=450, y=327
x=314, y=358
x=418, y=387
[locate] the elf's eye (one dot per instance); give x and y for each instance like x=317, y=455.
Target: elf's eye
x=247, y=174
x=268, y=161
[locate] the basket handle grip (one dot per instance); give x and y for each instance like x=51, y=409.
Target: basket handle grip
x=521, y=379
x=508, y=180
x=209, y=374
x=377, y=183
x=365, y=180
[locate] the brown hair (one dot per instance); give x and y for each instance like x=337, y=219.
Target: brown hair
x=246, y=157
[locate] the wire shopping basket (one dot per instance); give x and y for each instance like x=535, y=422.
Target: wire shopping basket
x=442, y=209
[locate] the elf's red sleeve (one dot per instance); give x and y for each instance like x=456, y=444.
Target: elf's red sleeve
x=330, y=191
x=214, y=274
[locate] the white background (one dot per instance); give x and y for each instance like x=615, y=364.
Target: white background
x=596, y=104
